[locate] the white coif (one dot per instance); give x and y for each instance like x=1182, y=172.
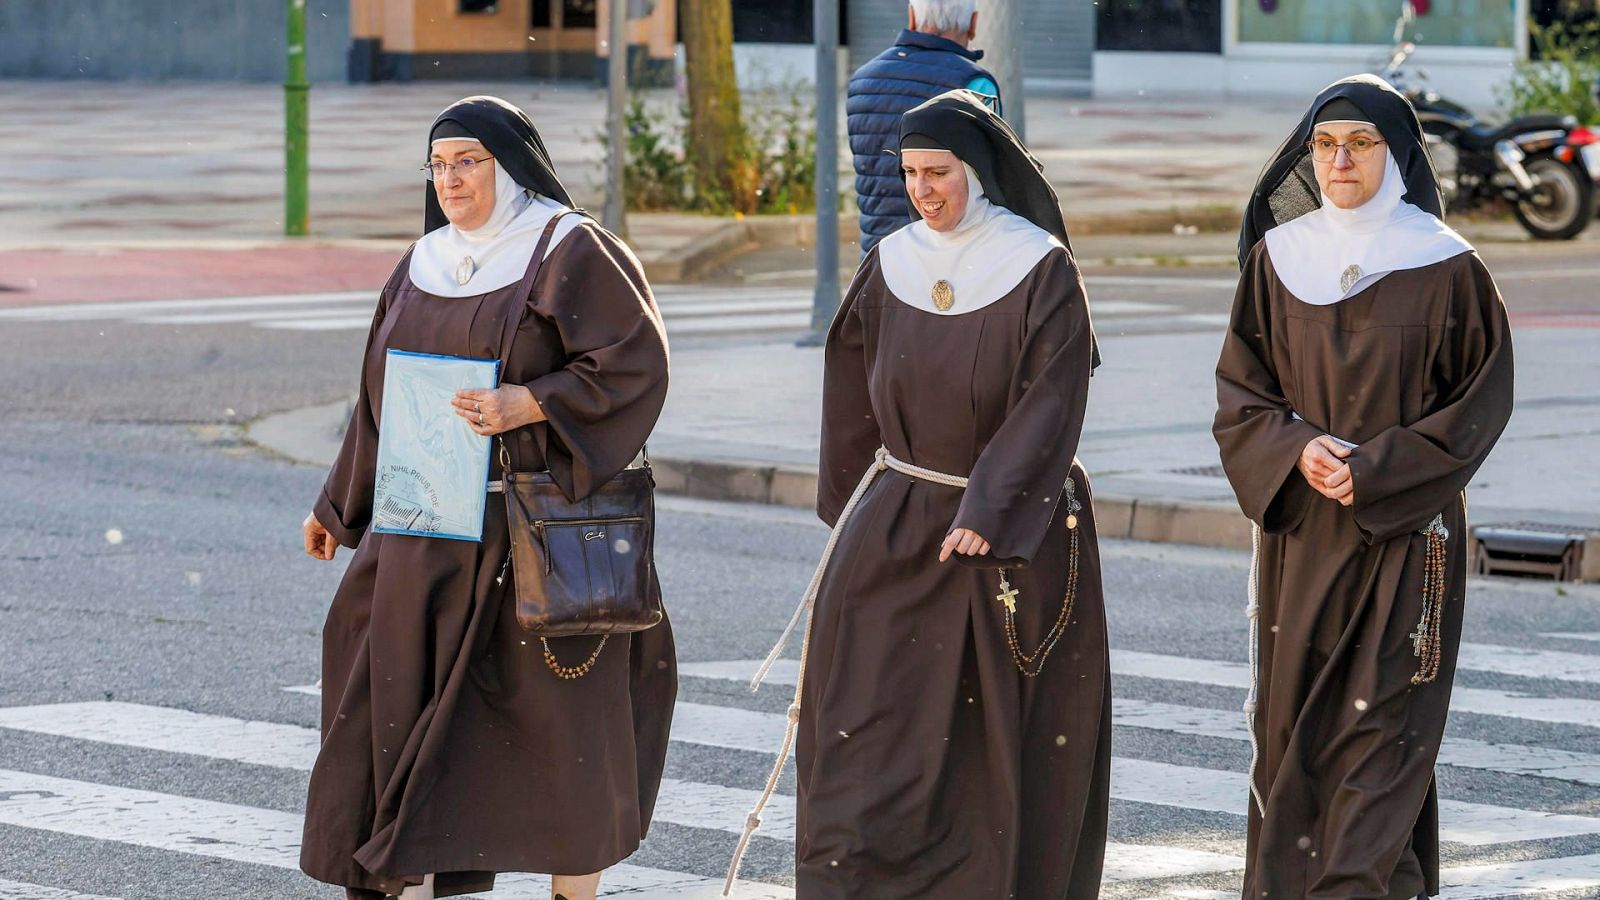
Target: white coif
x=494, y=254
x=1330, y=253
x=987, y=254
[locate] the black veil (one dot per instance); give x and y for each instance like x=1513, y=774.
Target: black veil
x=959, y=122
x=510, y=137
x=1013, y=178
x=1287, y=188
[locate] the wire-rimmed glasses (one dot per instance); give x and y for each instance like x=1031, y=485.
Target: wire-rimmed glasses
x=464, y=167
x=1325, y=149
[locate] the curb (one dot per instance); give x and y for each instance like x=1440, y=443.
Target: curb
x=1160, y=521
x=311, y=435
x=736, y=237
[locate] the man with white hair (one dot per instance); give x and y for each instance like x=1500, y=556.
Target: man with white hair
x=930, y=56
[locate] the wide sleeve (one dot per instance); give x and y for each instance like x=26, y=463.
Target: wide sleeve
x=1018, y=479
x=1259, y=438
x=602, y=404
x=850, y=436
x=345, y=505
x=1408, y=474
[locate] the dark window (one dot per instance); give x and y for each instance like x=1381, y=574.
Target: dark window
x=1577, y=21
x=539, y=14
x=1194, y=26
x=772, y=21
x=477, y=6
x=578, y=14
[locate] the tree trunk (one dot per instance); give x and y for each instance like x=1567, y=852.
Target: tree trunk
x=1000, y=27
x=724, y=175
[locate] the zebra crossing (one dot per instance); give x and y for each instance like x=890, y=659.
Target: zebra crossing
x=689, y=311
x=1493, y=851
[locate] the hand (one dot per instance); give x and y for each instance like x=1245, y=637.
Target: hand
x=502, y=409
x=964, y=541
x=1322, y=465
x=1341, y=486
x=319, y=543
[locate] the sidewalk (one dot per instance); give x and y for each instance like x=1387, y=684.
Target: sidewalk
x=120, y=171
x=122, y=207
x=742, y=423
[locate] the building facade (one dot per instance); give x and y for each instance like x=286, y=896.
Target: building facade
x=1174, y=47
x=1058, y=39
x=162, y=40
x=1099, y=47
x=404, y=40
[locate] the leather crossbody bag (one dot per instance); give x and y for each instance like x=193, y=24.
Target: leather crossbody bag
x=583, y=567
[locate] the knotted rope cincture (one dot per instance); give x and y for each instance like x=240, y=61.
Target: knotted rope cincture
x=881, y=461
x=1252, y=611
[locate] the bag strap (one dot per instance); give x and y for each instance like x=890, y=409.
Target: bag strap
x=513, y=320
x=508, y=331
x=401, y=272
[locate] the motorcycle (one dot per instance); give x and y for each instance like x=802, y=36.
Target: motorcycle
x=1545, y=166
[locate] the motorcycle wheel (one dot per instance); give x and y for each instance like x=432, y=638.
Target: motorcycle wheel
x=1563, y=202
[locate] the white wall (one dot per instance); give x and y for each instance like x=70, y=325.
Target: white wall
x=1469, y=76
x=772, y=65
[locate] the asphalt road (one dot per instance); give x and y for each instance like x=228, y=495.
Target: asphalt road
x=153, y=592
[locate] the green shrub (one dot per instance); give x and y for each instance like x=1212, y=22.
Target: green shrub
x=1562, y=80
x=777, y=155
x=783, y=144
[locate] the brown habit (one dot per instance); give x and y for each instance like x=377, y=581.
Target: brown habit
x=1416, y=369
x=928, y=765
x=448, y=745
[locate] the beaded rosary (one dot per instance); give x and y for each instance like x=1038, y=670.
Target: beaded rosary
x=1031, y=664
x=1425, y=641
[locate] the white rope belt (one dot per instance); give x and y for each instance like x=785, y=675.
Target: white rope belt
x=881, y=461
x=1253, y=612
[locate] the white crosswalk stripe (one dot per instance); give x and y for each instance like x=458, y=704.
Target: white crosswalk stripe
x=260, y=836
x=688, y=310
x=691, y=804
x=1480, y=701
x=1466, y=753
x=205, y=828
x=1513, y=759
x=20, y=890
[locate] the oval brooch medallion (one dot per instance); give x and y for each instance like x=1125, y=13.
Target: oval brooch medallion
x=944, y=296
x=1348, y=280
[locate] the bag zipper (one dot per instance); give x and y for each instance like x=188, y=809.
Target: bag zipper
x=539, y=526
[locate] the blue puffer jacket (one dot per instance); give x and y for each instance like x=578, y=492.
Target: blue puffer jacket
x=919, y=66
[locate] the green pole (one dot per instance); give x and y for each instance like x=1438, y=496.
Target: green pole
x=296, y=127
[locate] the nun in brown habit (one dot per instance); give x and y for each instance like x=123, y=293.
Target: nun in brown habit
x=1365, y=376
x=954, y=711
x=454, y=744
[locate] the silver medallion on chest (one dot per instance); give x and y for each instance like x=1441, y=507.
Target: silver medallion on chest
x=1352, y=274
x=465, y=269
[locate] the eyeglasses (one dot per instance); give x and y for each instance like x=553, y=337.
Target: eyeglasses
x=463, y=167
x=1325, y=149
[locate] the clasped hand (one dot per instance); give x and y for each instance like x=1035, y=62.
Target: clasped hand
x=1322, y=463
x=502, y=409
